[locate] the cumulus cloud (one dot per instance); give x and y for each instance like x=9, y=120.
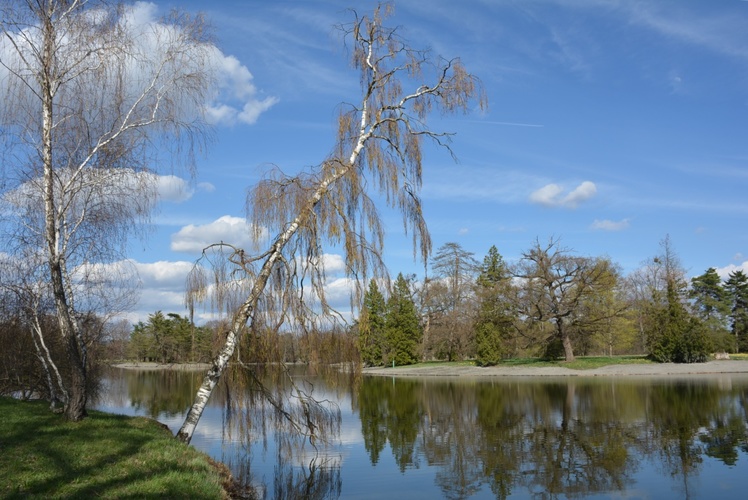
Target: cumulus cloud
x=237, y=99
x=234, y=98
x=176, y=189
x=552, y=195
x=610, y=225
x=334, y=263
x=172, y=188
x=724, y=272
x=547, y=195
x=234, y=230
x=163, y=275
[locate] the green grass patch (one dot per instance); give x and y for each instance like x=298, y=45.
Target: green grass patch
x=740, y=356
x=106, y=456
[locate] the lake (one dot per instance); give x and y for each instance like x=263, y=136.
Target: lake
x=499, y=437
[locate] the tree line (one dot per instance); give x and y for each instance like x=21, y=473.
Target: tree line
x=552, y=303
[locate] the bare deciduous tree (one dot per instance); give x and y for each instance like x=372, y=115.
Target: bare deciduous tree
x=555, y=285
x=451, y=306
x=86, y=96
x=379, y=148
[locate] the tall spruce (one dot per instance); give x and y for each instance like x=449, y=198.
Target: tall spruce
x=371, y=327
x=495, y=321
x=403, y=330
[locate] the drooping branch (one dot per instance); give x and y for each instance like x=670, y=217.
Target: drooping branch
x=378, y=149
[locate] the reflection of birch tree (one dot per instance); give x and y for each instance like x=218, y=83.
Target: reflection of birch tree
x=378, y=151
x=85, y=98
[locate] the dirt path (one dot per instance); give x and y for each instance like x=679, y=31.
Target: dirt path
x=664, y=369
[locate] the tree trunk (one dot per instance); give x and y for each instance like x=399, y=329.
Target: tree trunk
x=247, y=309
x=76, y=404
x=565, y=341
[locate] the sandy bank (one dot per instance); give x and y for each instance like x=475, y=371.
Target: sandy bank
x=664, y=369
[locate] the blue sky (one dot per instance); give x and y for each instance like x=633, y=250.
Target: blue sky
x=610, y=125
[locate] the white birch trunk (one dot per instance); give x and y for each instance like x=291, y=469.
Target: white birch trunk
x=247, y=309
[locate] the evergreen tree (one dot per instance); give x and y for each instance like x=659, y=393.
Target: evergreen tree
x=737, y=291
x=712, y=305
x=675, y=335
x=372, y=327
x=169, y=338
x=403, y=329
x=493, y=327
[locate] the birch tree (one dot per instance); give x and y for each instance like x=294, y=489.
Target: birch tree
x=378, y=151
x=90, y=99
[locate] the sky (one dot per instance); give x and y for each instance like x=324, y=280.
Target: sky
x=610, y=125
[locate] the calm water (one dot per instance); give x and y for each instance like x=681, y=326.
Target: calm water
x=466, y=438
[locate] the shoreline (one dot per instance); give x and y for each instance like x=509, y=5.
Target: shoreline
x=625, y=370
x=713, y=367
x=149, y=365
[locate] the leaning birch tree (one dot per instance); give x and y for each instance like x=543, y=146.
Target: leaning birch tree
x=378, y=152
x=91, y=101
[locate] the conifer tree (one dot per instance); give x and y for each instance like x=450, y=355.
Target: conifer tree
x=372, y=326
x=403, y=329
x=675, y=335
x=712, y=305
x=495, y=322
x=737, y=290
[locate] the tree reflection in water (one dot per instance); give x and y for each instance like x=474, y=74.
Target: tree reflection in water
x=262, y=401
x=468, y=438
x=562, y=438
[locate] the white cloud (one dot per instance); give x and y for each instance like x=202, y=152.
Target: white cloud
x=236, y=100
x=173, y=188
x=338, y=293
x=233, y=230
x=163, y=286
x=610, y=225
x=206, y=186
x=547, y=195
x=334, y=263
x=551, y=195
x=164, y=275
x=232, y=99
x=583, y=192
x=724, y=272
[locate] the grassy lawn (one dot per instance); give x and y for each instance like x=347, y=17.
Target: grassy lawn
x=105, y=456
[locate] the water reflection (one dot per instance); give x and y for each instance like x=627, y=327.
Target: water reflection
x=458, y=438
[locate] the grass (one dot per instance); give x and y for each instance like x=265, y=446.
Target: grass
x=106, y=456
